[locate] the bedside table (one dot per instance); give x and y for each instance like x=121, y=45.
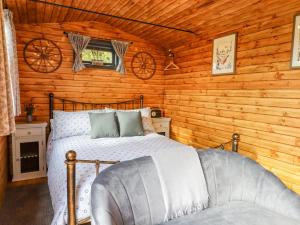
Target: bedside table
x=28, y=151
x=162, y=125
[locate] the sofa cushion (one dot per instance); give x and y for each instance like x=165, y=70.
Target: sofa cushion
x=234, y=213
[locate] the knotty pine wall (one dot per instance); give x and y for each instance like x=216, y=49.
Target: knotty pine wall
x=3, y=167
x=92, y=85
x=261, y=101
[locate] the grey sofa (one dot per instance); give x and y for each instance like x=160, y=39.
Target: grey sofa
x=241, y=193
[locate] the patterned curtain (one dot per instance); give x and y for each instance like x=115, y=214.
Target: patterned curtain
x=12, y=59
x=7, y=119
x=120, y=48
x=79, y=43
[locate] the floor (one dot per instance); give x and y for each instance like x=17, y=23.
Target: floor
x=27, y=205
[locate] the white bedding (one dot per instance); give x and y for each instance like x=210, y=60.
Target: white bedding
x=123, y=148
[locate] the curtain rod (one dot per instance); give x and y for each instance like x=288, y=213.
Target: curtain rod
x=113, y=16
x=105, y=39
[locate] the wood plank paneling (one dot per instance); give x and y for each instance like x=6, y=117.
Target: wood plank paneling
x=149, y=11
x=204, y=17
x=3, y=167
x=261, y=101
x=89, y=84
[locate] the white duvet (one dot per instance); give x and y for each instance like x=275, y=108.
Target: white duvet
x=123, y=148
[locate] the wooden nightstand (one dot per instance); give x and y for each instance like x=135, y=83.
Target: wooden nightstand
x=28, y=151
x=162, y=125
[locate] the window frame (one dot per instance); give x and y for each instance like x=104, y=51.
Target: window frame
x=102, y=45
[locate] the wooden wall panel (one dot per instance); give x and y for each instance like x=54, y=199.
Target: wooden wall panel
x=261, y=101
x=3, y=167
x=202, y=17
x=89, y=84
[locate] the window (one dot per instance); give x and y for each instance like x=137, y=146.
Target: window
x=100, y=54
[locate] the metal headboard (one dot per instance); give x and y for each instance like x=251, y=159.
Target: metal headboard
x=78, y=105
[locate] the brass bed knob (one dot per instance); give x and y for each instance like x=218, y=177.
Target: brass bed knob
x=71, y=155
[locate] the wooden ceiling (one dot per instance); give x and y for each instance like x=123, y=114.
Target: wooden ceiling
x=200, y=16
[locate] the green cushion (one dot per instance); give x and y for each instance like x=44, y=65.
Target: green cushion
x=130, y=124
x=104, y=125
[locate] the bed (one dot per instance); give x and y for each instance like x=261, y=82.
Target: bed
x=70, y=194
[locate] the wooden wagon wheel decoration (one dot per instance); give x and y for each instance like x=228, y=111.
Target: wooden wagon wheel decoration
x=42, y=55
x=143, y=65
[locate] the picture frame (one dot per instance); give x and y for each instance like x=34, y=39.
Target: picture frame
x=224, y=54
x=295, y=52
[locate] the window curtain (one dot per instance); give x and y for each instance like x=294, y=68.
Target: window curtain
x=79, y=43
x=120, y=48
x=12, y=59
x=7, y=112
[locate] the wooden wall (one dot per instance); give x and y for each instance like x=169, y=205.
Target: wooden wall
x=3, y=167
x=261, y=101
x=89, y=84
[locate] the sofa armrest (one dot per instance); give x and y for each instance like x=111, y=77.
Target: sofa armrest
x=274, y=195
x=232, y=177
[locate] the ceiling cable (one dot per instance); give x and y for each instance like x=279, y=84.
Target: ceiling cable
x=113, y=16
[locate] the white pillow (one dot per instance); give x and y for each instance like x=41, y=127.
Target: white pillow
x=147, y=125
x=146, y=117
x=67, y=124
x=145, y=112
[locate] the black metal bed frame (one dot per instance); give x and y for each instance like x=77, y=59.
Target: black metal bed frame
x=128, y=104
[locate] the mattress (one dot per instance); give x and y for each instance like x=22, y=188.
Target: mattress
x=121, y=148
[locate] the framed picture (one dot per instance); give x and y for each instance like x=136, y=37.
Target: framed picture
x=224, y=55
x=295, y=59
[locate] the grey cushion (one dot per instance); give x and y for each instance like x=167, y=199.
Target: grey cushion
x=104, y=125
x=234, y=213
x=130, y=124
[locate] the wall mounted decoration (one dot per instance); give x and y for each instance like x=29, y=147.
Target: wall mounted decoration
x=171, y=65
x=143, y=65
x=42, y=55
x=295, y=61
x=224, y=55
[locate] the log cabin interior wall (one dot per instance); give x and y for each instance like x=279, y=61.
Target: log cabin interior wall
x=261, y=101
x=93, y=85
x=3, y=167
